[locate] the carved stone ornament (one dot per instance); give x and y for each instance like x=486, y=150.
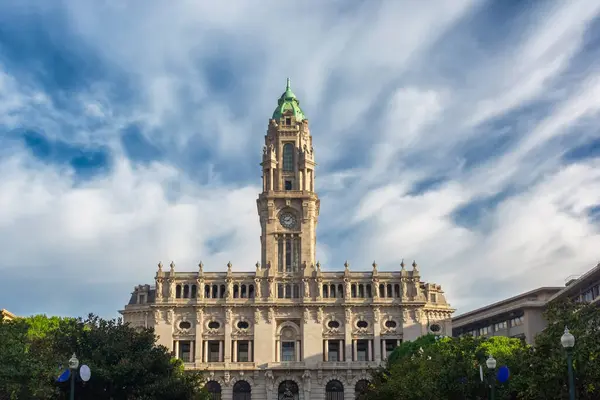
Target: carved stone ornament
x=170, y=316
x=320, y=315
x=171, y=288
x=271, y=315
x=157, y=315
x=256, y=316
x=376, y=314
x=348, y=316
x=306, y=283
x=199, y=315
x=405, y=315
x=269, y=379
x=159, y=288
x=226, y=377
x=418, y=315
x=228, y=316
x=306, y=315
x=257, y=288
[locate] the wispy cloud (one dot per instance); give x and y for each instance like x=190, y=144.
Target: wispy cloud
x=460, y=135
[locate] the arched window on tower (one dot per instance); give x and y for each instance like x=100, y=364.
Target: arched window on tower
x=178, y=291
x=186, y=291
x=288, y=157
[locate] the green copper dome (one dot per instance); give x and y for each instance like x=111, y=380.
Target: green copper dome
x=288, y=102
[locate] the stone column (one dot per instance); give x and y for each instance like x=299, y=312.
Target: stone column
x=205, y=355
x=277, y=351
x=341, y=346
x=192, y=352
x=326, y=350
x=370, y=350
x=220, y=351
x=355, y=350
x=235, y=351
x=297, y=349
x=250, y=352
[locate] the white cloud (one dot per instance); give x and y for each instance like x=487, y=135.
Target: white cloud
x=345, y=67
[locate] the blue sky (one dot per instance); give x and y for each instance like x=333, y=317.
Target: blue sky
x=462, y=134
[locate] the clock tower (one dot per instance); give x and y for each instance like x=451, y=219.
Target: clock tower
x=288, y=206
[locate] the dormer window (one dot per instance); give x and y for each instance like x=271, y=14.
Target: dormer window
x=288, y=121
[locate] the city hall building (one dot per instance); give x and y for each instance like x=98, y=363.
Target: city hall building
x=290, y=329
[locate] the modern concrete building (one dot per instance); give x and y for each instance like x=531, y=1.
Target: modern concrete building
x=518, y=317
x=290, y=329
x=585, y=288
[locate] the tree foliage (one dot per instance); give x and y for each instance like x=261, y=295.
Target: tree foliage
x=448, y=368
x=125, y=362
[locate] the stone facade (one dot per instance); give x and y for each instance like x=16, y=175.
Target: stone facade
x=289, y=328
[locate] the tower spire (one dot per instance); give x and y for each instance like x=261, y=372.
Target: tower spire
x=287, y=86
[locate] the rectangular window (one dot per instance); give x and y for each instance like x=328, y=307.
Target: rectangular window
x=280, y=290
x=288, y=185
x=390, y=345
x=333, y=350
x=288, y=121
x=213, y=351
x=288, y=351
x=185, y=354
x=288, y=255
x=243, y=354
x=500, y=326
x=142, y=298
x=362, y=347
x=433, y=298
x=280, y=254
x=516, y=321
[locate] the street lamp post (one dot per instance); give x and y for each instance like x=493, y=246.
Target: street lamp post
x=568, y=342
x=491, y=364
x=73, y=364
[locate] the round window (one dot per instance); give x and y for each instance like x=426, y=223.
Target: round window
x=333, y=324
x=214, y=325
x=243, y=325
x=390, y=324
x=435, y=328
x=185, y=325
x=362, y=324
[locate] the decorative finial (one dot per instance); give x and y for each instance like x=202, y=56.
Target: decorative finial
x=318, y=266
x=201, y=267
x=402, y=263
x=287, y=86
x=346, y=264
x=229, y=266
x=257, y=265
x=160, y=266
x=172, y=265
x=374, y=266
x=414, y=264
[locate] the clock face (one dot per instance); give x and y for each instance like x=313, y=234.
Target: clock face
x=288, y=220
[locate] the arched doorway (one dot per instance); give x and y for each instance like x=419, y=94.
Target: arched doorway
x=214, y=388
x=360, y=389
x=288, y=390
x=242, y=391
x=334, y=390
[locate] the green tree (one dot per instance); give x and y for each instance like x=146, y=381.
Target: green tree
x=446, y=368
x=126, y=363
x=548, y=377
